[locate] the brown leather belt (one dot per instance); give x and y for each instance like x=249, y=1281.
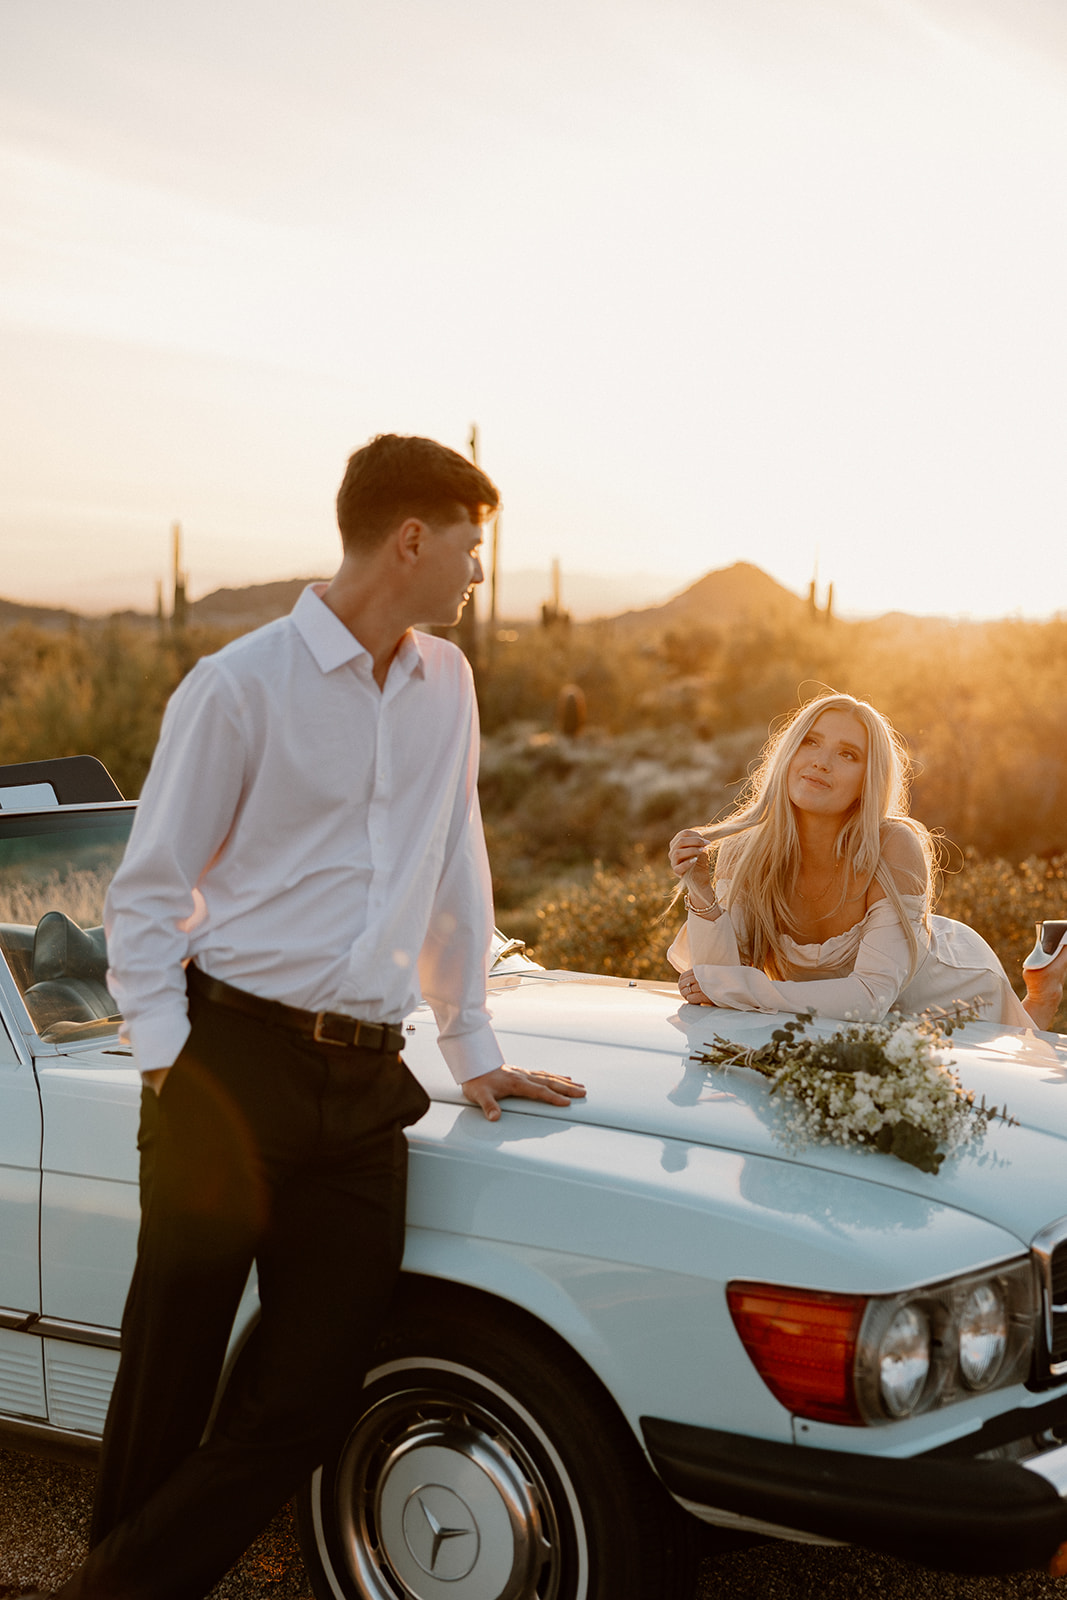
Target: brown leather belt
x=324, y=1027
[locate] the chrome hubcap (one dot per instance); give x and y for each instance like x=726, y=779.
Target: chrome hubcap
x=439, y=1499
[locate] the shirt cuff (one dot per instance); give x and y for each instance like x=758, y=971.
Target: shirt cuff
x=157, y=1040
x=469, y=1055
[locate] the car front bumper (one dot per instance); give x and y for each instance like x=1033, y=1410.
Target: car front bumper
x=951, y=1512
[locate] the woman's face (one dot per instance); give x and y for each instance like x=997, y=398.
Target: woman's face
x=826, y=774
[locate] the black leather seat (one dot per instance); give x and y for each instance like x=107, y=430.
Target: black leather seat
x=63, y=950
x=69, y=967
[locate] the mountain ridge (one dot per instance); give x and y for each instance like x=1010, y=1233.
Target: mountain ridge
x=739, y=592
x=724, y=594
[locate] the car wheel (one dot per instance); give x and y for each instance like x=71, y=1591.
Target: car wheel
x=485, y=1467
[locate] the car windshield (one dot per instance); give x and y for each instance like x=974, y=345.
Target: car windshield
x=54, y=871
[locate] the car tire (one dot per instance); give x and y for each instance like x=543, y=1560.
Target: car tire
x=489, y=1464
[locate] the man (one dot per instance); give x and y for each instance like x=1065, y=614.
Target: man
x=309, y=842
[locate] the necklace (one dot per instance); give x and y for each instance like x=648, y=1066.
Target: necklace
x=811, y=899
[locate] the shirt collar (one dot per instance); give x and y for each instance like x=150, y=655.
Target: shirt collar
x=333, y=645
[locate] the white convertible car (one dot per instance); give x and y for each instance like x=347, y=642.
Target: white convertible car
x=618, y=1321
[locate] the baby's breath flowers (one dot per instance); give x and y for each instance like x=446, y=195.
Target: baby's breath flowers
x=885, y=1084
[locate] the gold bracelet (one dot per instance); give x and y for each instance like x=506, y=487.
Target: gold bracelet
x=710, y=913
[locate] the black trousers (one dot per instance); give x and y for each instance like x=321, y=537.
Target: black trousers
x=262, y=1147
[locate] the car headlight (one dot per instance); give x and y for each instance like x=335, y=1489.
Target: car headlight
x=984, y=1333
x=863, y=1359
x=904, y=1360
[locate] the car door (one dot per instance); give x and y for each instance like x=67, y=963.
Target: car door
x=89, y=1220
x=22, y=1387
x=68, y=1114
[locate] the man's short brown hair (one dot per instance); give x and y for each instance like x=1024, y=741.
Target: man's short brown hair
x=397, y=476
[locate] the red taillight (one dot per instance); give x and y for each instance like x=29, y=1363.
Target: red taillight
x=803, y=1344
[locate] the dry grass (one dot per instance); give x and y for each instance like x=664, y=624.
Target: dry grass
x=25, y=897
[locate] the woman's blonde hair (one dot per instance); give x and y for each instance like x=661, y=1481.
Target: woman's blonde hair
x=757, y=847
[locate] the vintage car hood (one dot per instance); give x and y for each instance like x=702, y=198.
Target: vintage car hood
x=631, y=1044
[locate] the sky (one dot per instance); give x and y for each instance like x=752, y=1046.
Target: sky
x=782, y=281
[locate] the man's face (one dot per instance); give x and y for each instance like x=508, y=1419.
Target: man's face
x=450, y=563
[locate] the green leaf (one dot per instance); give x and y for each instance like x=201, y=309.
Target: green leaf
x=915, y=1146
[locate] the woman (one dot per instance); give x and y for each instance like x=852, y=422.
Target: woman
x=822, y=890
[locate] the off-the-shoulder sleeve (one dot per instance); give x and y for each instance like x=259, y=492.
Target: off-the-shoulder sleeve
x=715, y=944
x=701, y=941
x=883, y=963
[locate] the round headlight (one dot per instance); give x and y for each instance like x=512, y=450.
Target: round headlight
x=904, y=1361
x=983, y=1336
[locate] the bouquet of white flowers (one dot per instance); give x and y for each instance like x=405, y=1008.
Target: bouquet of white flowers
x=885, y=1084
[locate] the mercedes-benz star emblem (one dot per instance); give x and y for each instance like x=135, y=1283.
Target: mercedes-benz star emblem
x=440, y=1532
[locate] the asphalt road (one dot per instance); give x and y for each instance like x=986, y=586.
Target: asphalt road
x=44, y=1517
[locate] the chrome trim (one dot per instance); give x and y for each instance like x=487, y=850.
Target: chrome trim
x=75, y=1332
x=72, y=809
x=60, y=1328
x=16, y=1321
x=1043, y=1246
x=735, y=1521
x=15, y=1019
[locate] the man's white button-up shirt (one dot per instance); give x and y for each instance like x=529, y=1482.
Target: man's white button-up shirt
x=311, y=839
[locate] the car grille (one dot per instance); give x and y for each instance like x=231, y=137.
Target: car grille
x=1058, y=1303
x=1050, y=1248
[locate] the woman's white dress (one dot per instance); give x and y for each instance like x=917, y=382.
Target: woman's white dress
x=860, y=974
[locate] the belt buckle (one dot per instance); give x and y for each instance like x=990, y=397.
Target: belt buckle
x=323, y=1019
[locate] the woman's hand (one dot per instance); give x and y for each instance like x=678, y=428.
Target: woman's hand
x=1044, y=989
x=688, y=856
x=691, y=991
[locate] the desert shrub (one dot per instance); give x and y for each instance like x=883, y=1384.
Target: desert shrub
x=664, y=812
x=662, y=806
x=502, y=786
x=691, y=651
x=611, y=925
x=579, y=821
x=97, y=691
x=556, y=829
x=552, y=804
x=549, y=807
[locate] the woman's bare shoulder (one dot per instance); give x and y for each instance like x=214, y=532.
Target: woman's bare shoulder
x=900, y=842
x=903, y=854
